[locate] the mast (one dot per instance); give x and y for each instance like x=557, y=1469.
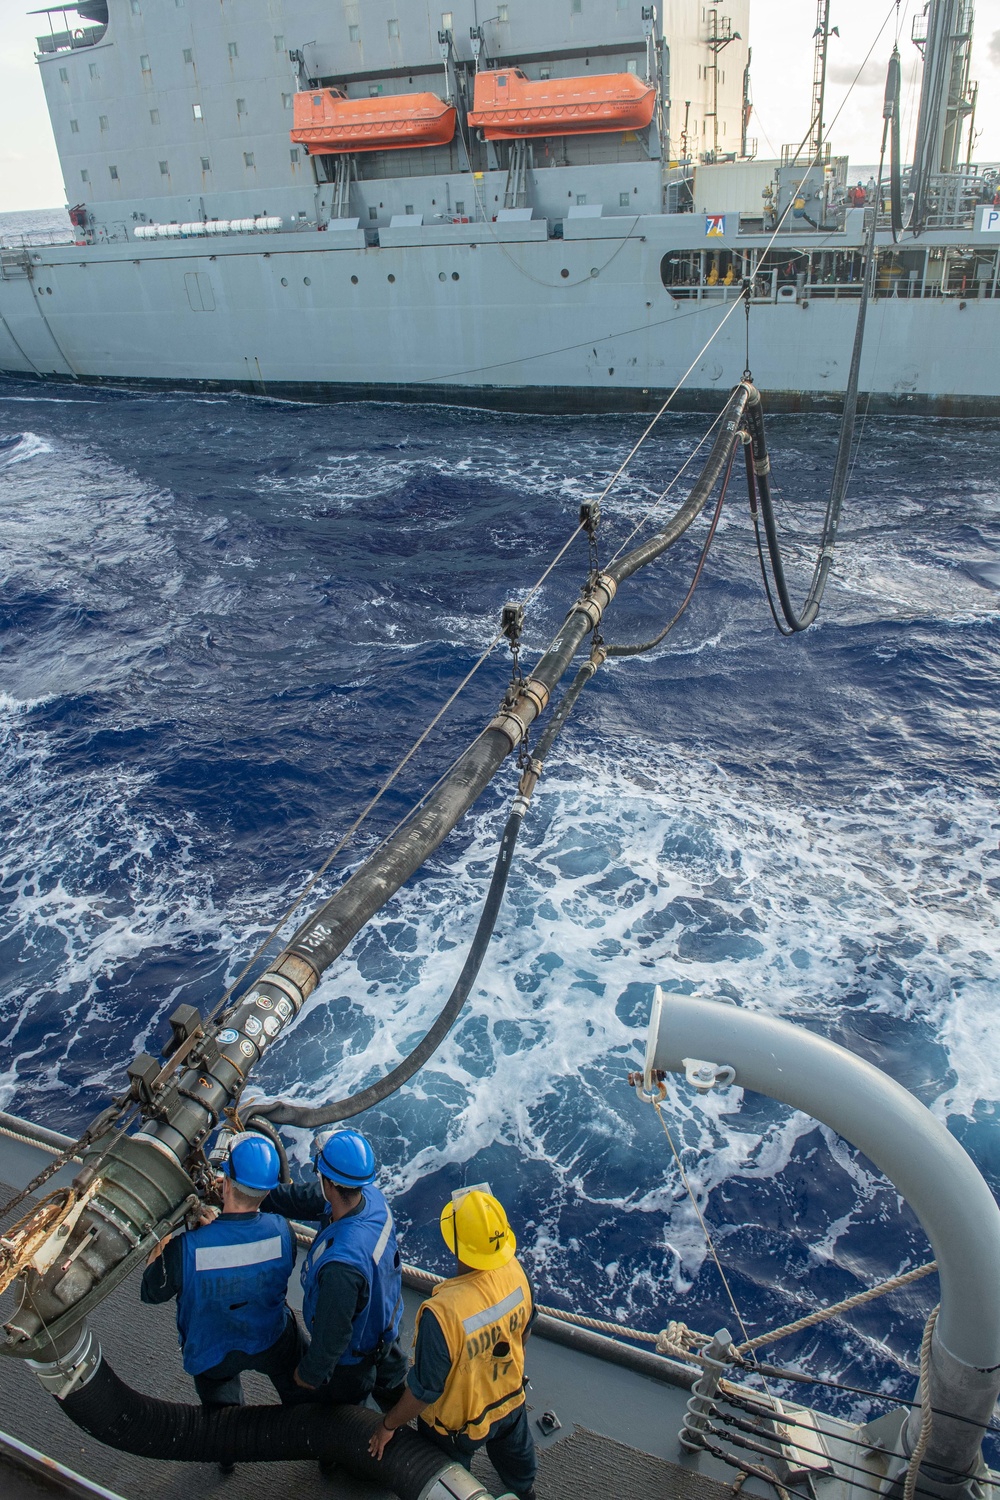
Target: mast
x=821, y=37
x=944, y=35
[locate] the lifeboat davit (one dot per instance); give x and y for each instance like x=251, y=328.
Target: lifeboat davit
x=508, y=106
x=325, y=120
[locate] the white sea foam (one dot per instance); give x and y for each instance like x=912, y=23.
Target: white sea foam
x=28, y=446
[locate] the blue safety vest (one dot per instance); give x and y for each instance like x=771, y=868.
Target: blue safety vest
x=365, y=1240
x=235, y=1275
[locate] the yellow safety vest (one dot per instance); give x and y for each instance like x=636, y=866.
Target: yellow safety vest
x=483, y=1316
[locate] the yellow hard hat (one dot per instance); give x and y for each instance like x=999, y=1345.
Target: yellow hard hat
x=475, y=1228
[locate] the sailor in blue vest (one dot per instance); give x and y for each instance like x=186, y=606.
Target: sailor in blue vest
x=352, y=1300
x=230, y=1277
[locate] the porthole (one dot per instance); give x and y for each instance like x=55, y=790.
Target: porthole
x=354, y=281
x=49, y=290
x=454, y=275
x=306, y=281
x=390, y=277
x=564, y=272
x=442, y=276
x=284, y=281
x=594, y=272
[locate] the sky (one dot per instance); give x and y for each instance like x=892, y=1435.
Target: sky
x=781, y=34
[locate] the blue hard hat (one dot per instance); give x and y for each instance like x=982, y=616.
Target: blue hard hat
x=253, y=1162
x=345, y=1157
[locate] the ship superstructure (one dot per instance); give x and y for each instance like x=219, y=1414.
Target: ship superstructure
x=525, y=206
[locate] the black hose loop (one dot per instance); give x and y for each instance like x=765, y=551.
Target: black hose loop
x=113, y=1413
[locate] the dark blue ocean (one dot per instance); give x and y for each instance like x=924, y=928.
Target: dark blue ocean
x=225, y=619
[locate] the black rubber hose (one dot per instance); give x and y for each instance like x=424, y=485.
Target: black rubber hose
x=890, y=109
x=281, y=1112
x=838, y=485
x=310, y=1117
x=325, y=934
x=113, y=1413
x=641, y=647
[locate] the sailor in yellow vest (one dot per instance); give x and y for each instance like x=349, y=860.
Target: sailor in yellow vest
x=466, y=1384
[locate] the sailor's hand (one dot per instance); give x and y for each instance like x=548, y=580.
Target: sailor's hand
x=205, y=1213
x=379, y=1439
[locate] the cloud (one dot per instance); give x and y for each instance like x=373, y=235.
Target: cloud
x=872, y=74
x=994, y=49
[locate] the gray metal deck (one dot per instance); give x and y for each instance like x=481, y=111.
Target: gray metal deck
x=618, y=1433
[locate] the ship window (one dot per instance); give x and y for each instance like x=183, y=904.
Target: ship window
x=393, y=28
x=621, y=5
x=502, y=81
x=581, y=198
x=293, y=155
x=632, y=66
x=408, y=208
x=317, y=100
x=63, y=76
x=102, y=120
x=154, y=117
x=93, y=71
x=206, y=164
x=74, y=127
x=545, y=72
x=241, y=106
x=164, y=169
x=144, y=61
x=623, y=200
x=135, y=8
x=279, y=44
x=374, y=90
x=448, y=18
x=196, y=111
x=114, y=173
x=84, y=175
x=286, y=101
x=576, y=7
x=503, y=13
x=234, y=51
x=460, y=206
x=354, y=33
x=373, y=213
x=188, y=55
x=248, y=158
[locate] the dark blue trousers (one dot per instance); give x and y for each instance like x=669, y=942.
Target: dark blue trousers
x=509, y=1444
x=221, y=1385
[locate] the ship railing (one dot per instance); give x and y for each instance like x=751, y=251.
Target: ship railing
x=66, y=41
x=36, y=238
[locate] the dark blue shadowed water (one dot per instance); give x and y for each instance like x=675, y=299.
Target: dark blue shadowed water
x=224, y=620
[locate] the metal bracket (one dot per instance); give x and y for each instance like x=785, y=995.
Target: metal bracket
x=705, y=1076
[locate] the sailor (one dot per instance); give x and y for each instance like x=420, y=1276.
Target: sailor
x=467, y=1382
x=230, y=1276
x=352, y=1297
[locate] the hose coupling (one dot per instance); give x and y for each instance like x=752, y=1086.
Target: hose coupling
x=753, y=394
x=510, y=726
x=745, y=437
x=60, y=1377
x=591, y=605
x=537, y=693
x=526, y=786
x=762, y=465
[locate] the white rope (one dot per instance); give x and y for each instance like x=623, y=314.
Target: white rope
x=926, y=1410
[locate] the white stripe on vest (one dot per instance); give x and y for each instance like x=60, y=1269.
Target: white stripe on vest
x=490, y=1314
x=382, y=1240
x=227, y=1257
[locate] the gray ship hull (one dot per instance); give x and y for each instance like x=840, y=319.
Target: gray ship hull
x=483, y=314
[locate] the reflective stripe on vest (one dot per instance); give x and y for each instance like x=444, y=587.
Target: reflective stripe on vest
x=366, y=1241
x=234, y=1277
x=483, y=1316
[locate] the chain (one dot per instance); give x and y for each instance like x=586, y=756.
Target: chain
x=747, y=293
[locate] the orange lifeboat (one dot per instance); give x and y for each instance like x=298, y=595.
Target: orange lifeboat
x=325, y=120
x=508, y=106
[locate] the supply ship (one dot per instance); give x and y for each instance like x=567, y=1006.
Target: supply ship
x=547, y=205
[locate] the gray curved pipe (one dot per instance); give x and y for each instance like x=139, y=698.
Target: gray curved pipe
x=904, y=1140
